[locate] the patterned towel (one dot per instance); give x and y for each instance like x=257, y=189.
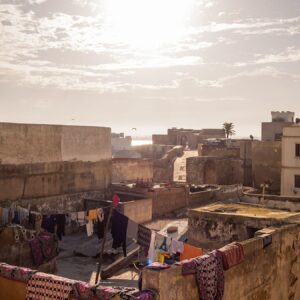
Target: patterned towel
x=209, y=275
x=43, y=286
x=232, y=254
x=144, y=237
x=16, y=273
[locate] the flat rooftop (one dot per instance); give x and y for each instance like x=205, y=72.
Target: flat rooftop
x=246, y=210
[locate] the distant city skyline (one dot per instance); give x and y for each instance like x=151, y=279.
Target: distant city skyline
x=152, y=65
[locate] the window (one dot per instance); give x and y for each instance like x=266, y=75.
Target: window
x=297, y=150
x=297, y=181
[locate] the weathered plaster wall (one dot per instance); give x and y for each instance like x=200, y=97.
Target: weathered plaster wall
x=290, y=162
x=152, y=151
x=129, y=169
x=273, y=201
x=121, y=143
x=161, y=139
x=266, y=164
x=218, y=193
x=42, y=161
x=207, y=150
x=271, y=273
x=33, y=143
x=214, y=170
x=269, y=130
x=164, y=168
x=139, y=211
x=166, y=200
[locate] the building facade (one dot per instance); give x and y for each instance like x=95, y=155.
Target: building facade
x=272, y=131
x=290, y=171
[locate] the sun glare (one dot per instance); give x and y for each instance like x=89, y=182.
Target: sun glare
x=146, y=24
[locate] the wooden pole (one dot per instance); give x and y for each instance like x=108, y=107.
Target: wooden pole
x=103, y=242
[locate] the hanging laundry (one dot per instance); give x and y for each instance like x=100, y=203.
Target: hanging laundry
x=89, y=228
x=16, y=219
x=232, y=255
x=73, y=216
x=209, y=275
x=48, y=223
x=61, y=225
x=119, y=231
x=151, y=252
x=36, y=251
x=144, y=238
x=23, y=214
x=81, y=218
x=100, y=214
x=38, y=221
x=176, y=247
x=101, y=224
x=47, y=286
x=5, y=216
x=132, y=229
x=190, y=251
x=16, y=273
x=116, y=200
x=48, y=244
x=92, y=214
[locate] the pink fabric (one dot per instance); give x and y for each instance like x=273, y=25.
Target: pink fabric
x=116, y=200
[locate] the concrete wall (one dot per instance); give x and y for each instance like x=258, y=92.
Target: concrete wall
x=166, y=200
x=40, y=161
x=290, y=163
x=266, y=164
x=126, y=169
x=139, y=211
x=214, y=170
x=270, y=273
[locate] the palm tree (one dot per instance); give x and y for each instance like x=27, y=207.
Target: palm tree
x=229, y=129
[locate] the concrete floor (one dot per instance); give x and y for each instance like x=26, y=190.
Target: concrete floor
x=76, y=259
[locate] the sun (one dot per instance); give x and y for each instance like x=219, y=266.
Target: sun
x=146, y=24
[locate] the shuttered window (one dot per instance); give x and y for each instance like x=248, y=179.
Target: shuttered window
x=297, y=181
x=297, y=150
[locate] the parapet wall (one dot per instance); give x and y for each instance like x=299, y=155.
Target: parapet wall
x=131, y=169
x=166, y=200
x=42, y=161
x=270, y=273
x=214, y=170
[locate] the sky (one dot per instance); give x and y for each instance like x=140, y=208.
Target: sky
x=149, y=64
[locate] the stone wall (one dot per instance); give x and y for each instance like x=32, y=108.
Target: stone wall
x=45, y=162
x=214, y=170
x=161, y=139
x=164, y=167
x=130, y=169
x=208, y=150
x=270, y=273
x=266, y=164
